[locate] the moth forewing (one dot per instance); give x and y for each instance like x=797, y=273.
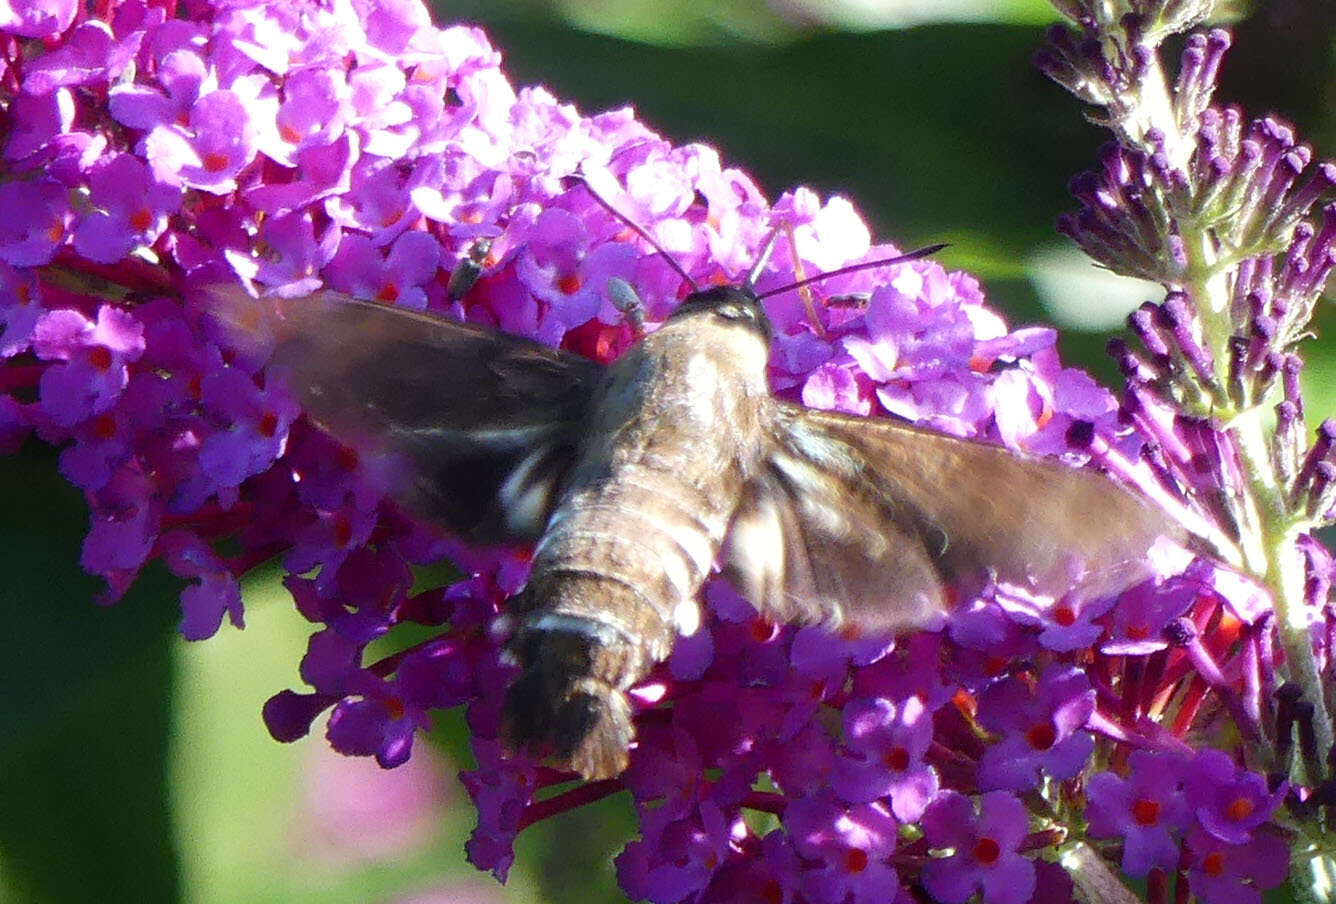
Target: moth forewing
x=483, y=425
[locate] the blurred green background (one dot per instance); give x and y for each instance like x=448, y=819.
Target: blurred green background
x=134, y=766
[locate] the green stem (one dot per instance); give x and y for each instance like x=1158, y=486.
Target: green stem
x=1268, y=530
x=1284, y=572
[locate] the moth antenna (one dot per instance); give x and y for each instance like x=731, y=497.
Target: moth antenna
x=925, y=251
x=761, y=260
x=625, y=299
x=642, y=232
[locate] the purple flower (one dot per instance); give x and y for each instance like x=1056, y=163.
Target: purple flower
x=258, y=432
x=1229, y=802
x=990, y=640
x=20, y=309
x=152, y=103
x=887, y=742
x=40, y=19
x=1066, y=624
x=313, y=112
x=982, y=849
x=43, y=123
x=130, y=210
x=501, y=789
x=36, y=223
x=1223, y=873
x=124, y=528
x=96, y=356
x=1040, y=728
x=676, y=857
x=209, y=151
x=361, y=269
x=848, y=846
x=204, y=604
x=1148, y=810
x=1138, y=623
x=91, y=56
x=378, y=726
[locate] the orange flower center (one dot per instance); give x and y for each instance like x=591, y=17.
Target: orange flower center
x=897, y=759
x=1146, y=812
x=1041, y=736
x=346, y=458
x=141, y=219
x=100, y=357
x=855, y=861
x=1239, y=808
x=268, y=425
x=986, y=851
x=215, y=162
x=104, y=426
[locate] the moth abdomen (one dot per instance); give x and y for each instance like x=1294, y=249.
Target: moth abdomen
x=577, y=660
x=585, y=724
x=615, y=578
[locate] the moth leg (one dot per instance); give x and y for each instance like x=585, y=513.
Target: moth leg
x=799, y=276
x=625, y=299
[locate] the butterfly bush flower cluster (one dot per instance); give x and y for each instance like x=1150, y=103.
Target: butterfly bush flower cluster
x=1141, y=728
x=1230, y=216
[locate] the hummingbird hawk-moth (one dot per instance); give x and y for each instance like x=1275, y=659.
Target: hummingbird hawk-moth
x=634, y=479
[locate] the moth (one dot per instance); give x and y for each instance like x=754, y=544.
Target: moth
x=634, y=479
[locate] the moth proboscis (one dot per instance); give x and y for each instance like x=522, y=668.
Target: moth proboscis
x=633, y=479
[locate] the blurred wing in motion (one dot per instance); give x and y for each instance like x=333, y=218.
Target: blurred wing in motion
x=871, y=521
x=484, y=424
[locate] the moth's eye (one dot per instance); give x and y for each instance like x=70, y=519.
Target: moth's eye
x=737, y=312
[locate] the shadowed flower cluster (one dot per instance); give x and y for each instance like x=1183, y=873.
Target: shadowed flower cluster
x=291, y=146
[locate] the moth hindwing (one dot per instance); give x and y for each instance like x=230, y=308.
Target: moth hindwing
x=632, y=479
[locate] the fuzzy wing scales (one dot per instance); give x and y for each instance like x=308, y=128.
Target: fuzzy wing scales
x=874, y=520
x=483, y=425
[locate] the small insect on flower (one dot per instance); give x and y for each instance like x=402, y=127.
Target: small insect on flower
x=634, y=478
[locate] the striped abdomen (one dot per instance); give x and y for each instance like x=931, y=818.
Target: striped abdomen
x=674, y=432
x=615, y=579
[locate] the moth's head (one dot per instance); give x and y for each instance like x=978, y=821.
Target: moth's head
x=735, y=306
